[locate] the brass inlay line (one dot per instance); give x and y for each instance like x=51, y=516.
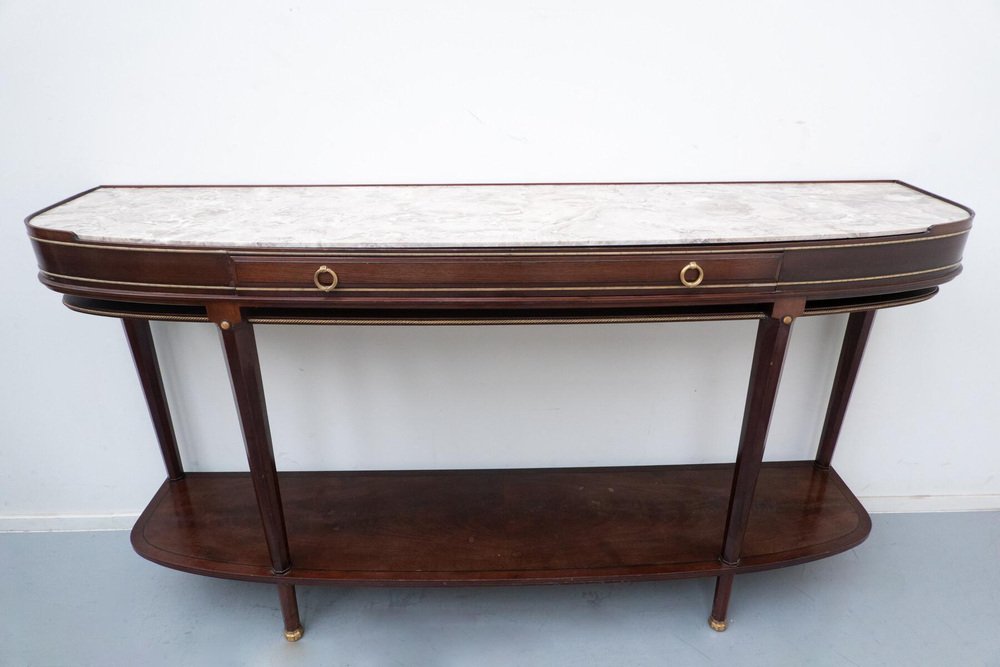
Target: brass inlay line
x=879, y=243
x=140, y=316
x=517, y=320
x=869, y=306
x=569, y=288
x=127, y=248
x=399, y=289
x=131, y=284
x=478, y=321
x=356, y=252
x=885, y=277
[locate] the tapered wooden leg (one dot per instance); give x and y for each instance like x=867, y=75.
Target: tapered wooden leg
x=859, y=325
x=723, y=589
x=140, y=340
x=768, y=358
x=244, y=370
x=290, y=612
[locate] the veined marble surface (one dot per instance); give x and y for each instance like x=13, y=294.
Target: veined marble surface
x=497, y=215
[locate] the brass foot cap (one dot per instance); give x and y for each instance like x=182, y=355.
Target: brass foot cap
x=293, y=635
x=718, y=626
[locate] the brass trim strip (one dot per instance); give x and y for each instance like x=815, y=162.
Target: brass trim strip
x=429, y=321
x=138, y=316
x=879, y=243
x=326, y=251
x=127, y=248
x=870, y=306
x=639, y=319
x=130, y=284
x=885, y=277
x=569, y=288
x=479, y=321
x=399, y=289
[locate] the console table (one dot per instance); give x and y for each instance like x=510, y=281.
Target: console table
x=241, y=256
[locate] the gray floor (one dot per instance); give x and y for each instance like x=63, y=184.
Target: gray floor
x=923, y=590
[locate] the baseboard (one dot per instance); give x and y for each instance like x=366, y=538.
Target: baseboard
x=874, y=504
x=66, y=523
x=917, y=504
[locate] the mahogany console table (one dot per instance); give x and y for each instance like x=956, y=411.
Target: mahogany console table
x=498, y=254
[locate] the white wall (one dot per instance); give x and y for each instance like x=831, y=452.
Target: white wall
x=321, y=92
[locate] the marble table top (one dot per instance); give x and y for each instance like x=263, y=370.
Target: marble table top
x=497, y=215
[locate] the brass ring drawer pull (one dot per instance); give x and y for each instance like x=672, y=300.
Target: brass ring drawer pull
x=325, y=271
x=692, y=266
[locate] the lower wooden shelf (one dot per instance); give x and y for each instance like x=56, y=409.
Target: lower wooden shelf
x=500, y=526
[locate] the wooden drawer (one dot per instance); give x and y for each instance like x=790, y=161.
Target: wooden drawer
x=521, y=272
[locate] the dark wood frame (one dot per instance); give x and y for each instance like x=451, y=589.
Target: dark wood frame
x=194, y=516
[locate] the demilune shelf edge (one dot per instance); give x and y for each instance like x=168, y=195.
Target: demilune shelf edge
x=490, y=527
